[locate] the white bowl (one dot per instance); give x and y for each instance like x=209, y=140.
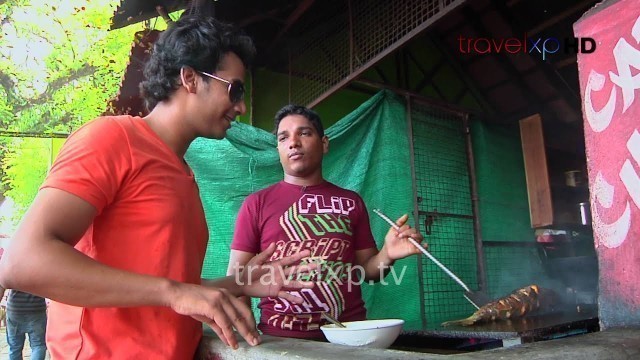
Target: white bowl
x=368, y=333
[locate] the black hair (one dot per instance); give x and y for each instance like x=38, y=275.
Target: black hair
x=292, y=109
x=196, y=41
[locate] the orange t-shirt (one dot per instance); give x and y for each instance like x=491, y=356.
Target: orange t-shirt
x=150, y=221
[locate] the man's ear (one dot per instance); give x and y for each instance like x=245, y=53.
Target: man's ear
x=188, y=79
x=325, y=144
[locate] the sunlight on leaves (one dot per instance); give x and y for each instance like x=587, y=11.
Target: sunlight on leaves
x=59, y=67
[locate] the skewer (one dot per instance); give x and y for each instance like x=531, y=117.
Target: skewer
x=424, y=251
x=332, y=320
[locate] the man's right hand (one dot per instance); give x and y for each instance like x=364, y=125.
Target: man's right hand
x=219, y=309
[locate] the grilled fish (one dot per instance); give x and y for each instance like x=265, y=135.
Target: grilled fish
x=515, y=305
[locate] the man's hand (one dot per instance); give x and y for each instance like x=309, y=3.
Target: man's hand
x=396, y=242
x=263, y=278
x=217, y=303
x=219, y=309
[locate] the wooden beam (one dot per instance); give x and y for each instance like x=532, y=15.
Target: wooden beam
x=201, y=8
x=162, y=11
x=303, y=6
x=271, y=15
x=439, y=104
x=553, y=75
x=381, y=74
x=456, y=63
x=565, y=62
x=506, y=64
x=119, y=20
x=391, y=48
x=508, y=80
x=397, y=58
x=426, y=75
x=536, y=171
x=460, y=96
x=556, y=19
x=32, y=134
x=512, y=3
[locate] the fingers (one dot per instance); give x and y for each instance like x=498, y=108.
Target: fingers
x=219, y=309
x=282, y=269
x=223, y=322
x=291, y=298
x=299, y=284
x=409, y=232
x=402, y=220
x=221, y=325
x=242, y=320
x=288, y=260
x=226, y=313
x=405, y=230
x=262, y=257
x=218, y=331
x=300, y=269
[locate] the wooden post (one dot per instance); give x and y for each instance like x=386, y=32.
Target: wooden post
x=535, y=166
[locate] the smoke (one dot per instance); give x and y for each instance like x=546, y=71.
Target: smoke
x=565, y=281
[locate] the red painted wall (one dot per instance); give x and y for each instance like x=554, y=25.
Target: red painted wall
x=610, y=89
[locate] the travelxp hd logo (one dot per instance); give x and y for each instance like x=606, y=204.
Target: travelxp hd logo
x=526, y=45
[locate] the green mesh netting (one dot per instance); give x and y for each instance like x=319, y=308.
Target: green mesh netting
x=501, y=183
x=505, y=210
x=444, y=202
x=368, y=152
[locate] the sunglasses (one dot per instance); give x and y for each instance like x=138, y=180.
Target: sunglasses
x=235, y=88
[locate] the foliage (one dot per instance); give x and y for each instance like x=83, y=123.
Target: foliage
x=59, y=67
x=24, y=178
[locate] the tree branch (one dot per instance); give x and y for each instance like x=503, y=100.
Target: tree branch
x=9, y=87
x=56, y=84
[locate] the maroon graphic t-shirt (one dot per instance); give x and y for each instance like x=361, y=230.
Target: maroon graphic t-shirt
x=333, y=224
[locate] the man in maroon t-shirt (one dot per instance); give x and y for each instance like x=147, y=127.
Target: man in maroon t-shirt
x=304, y=211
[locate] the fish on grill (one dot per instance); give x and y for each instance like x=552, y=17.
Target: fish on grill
x=515, y=305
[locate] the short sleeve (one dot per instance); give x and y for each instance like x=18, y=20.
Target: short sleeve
x=92, y=163
x=246, y=236
x=363, y=238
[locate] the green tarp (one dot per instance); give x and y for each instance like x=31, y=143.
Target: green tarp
x=369, y=153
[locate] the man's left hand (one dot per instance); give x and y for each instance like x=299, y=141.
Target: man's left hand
x=263, y=278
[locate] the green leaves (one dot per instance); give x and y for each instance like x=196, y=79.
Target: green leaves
x=22, y=179
x=59, y=67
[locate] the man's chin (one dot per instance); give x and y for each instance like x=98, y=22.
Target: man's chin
x=216, y=135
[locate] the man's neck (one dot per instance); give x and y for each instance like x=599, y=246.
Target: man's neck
x=165, y=120
x=304, y=181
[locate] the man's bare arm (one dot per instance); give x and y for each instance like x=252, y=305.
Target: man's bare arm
x=41, y=260
x=238, y=259
x=376, y=264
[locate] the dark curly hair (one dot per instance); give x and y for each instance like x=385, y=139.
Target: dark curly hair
x=195, y=41
x=292, y=109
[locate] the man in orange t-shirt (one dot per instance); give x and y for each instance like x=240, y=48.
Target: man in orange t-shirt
x=117, y=234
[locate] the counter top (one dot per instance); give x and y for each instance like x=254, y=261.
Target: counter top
x=278, y=348
x=609, y=344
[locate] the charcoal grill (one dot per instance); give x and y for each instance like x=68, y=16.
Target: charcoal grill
x=574, y=320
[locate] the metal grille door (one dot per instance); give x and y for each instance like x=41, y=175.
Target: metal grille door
x=445, y=209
